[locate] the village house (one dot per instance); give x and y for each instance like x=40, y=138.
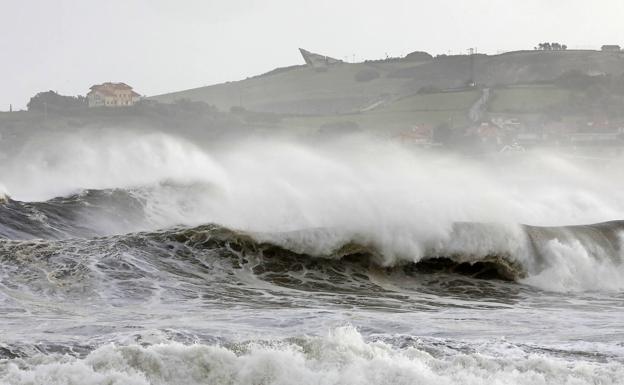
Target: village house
x=112, y=95
x=611, y=48
x=418, y=135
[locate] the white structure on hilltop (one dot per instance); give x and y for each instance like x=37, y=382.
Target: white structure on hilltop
x=112, y=95
x=315, y=60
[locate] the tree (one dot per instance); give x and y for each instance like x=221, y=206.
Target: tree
x=418, y=56
x=551, y=46
x=50, y=101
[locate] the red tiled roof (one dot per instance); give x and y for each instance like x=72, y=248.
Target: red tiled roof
x=102, y=90
x=109, y=85
x=109, y=88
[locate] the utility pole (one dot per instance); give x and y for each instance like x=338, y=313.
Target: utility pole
x=472, y=82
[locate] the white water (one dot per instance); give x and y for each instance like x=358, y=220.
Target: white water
x=61, y=164
x=401, y=200
x=341, y=357
x=576, y=267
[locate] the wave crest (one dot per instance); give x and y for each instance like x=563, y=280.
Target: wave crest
x=567, y=258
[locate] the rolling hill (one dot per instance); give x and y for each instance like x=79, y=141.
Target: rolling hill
x=348, y=88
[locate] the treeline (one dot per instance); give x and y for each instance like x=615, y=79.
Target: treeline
x=180, y=111
x=50, y=110
x=551, y=47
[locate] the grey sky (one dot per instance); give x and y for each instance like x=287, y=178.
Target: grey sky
x=159, y=46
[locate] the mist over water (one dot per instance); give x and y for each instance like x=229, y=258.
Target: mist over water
x=316, y=183
x=58, y=164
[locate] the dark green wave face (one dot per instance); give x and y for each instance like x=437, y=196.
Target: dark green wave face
x=81, y=215
x=212, y=263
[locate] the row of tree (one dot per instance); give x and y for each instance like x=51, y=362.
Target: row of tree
x=551, y=47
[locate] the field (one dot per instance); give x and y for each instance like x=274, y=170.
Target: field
x=401, y=115
x=527, y=99
x=443, y=101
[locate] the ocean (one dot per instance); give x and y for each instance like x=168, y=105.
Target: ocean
x=144, y=258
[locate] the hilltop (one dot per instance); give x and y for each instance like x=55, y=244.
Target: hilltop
x=344, y=88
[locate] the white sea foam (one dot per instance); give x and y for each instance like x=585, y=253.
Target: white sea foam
x=341, y=357
x=574, y=266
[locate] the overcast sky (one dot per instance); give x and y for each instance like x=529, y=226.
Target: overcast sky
x=159, y=46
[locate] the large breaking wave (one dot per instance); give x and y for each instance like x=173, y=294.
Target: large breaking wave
x=394, y=206
x=584, y=257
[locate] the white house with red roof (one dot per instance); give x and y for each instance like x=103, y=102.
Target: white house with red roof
x=112, y=95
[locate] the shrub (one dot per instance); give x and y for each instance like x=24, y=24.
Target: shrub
x=418, y=56
x=52, y=102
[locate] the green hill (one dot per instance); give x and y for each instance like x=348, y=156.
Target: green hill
x=352, y=88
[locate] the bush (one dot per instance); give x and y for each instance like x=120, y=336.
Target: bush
x=52, y=102
x=418, y=56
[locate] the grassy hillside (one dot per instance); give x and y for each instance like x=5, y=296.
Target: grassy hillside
x=350, y=88
x=388, y=96
x=301, y=90
x=527, y=99
x=443, y=101
x=400, y=115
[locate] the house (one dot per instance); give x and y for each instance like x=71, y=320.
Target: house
x=488, y=131
x=419, y=135
x=611, y=48
x=112, y=95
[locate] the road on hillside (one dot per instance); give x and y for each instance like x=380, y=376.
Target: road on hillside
x=477, y=111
